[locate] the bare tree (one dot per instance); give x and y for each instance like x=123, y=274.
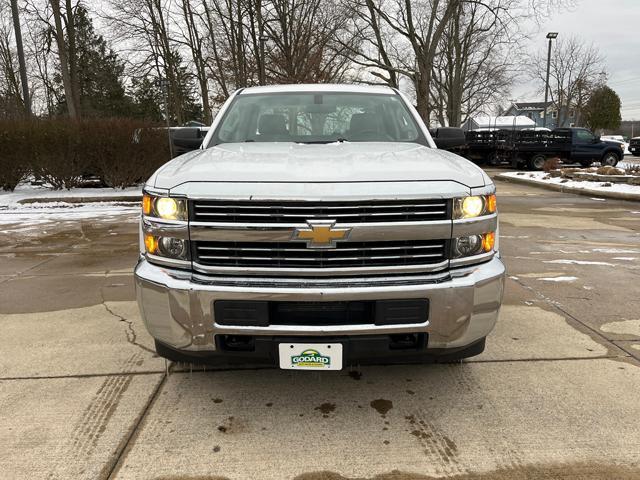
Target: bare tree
x=194, y=40
x=477, y=59
x=410, y=51
x=11, y=100
x=303, y=42
x=146, y=27
x=66, y=54
x=576, y=70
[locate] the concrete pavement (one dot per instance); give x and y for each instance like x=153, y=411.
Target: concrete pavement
x=554, y=396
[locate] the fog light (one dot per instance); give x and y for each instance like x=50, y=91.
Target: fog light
x=173, y=247
x=151, y=243
x=467, y=246
x=488, y=241
x=167, y=208
x=472, y=206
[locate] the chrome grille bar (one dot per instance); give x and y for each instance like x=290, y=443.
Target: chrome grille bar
x=282, y=255
x=250, y=212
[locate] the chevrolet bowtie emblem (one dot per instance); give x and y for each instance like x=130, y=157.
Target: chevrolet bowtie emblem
x=321, y=234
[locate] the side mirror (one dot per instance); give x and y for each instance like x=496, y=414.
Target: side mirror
x=596, y=139
x=186, y=139
x=448, y=138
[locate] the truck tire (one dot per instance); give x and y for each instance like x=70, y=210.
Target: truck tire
x=518, y=163
x=609, y=159
x=492, y=159
x=536, y=162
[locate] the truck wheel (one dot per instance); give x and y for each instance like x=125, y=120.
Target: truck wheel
x=537, y=162
x=609, y=159
x=492, y=159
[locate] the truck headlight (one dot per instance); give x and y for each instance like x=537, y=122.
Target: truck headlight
x=474, y=206
x=168, y=247
x=165, y=208
x=473, y=245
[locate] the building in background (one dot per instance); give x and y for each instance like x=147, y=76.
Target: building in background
x=535, y=111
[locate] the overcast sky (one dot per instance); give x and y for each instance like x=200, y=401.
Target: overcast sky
x=614, y=27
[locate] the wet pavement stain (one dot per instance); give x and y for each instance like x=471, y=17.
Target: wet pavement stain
x=326, y=408
x=573, y=471
x=232, y=426
x=188, y=477
x=217, y=400
x=381, y=406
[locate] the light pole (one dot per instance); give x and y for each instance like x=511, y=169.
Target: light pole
x=551, y=36
x=263, y=39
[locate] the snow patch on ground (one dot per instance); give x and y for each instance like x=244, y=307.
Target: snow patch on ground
x=626, y=259
x=539, y=177
x=29, y=217
x=579, y=262
x=27, y=191
x=625, y=327
x=614, y=250
x=558, y=279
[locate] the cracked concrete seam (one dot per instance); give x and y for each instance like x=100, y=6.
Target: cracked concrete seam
x=130, y=332
x=558, y=306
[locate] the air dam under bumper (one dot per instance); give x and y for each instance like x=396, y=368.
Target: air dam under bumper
x=178, y=310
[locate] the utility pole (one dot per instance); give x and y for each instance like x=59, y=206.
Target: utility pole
x=261, y=39
x=551, y=36
x=164, y=83
x=23, y=66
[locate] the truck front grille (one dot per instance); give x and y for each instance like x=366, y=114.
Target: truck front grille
x=297, y=255
x=251, y=212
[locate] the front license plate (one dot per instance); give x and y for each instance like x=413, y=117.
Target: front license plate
x=310, y=356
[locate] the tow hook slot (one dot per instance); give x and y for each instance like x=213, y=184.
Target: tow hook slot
x=237, y=343
x=407, y=341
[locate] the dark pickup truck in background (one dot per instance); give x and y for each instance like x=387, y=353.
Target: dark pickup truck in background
x=531, y=148
x=634, y=146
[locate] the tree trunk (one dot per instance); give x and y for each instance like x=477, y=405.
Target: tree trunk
x=421, y=83
x=62, y=57
x=73, y=57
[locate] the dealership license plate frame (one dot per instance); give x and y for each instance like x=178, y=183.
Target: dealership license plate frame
x=310, y=356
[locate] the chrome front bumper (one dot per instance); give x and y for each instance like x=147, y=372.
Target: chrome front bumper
x=177, y=308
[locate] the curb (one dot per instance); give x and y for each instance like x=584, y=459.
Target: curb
x=122, y=198
x=578, y=191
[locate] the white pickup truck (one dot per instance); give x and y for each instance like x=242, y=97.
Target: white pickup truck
x=318, y=227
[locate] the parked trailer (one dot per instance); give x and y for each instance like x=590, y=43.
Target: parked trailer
x=531, y=148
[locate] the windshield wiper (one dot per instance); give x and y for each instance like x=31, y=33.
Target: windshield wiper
x=324, y=142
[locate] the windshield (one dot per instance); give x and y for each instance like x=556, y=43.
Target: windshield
x=317, y=118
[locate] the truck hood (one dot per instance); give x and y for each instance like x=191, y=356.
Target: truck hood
x=314, y=163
